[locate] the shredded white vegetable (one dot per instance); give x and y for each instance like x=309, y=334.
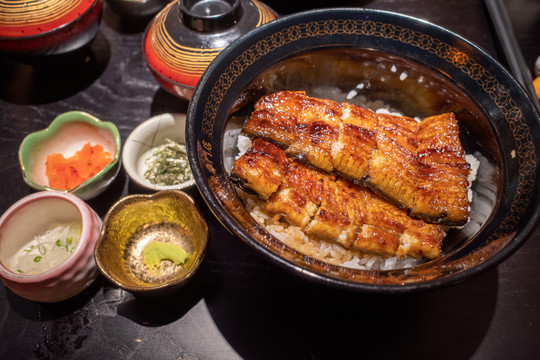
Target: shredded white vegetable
x=48, y=250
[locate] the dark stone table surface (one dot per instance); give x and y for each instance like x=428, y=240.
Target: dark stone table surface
x=240, y=305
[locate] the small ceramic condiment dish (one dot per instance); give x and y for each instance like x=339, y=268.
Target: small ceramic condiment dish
x=141, y=143
x=44, y=277
x=67, y=134
x=167, y=219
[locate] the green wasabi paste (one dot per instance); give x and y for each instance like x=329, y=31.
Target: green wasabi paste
x=156, y=251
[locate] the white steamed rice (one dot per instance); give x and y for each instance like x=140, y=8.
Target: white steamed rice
x=296, y=238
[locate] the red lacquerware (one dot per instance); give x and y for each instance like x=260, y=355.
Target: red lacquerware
x=47, y=27
x=184, y=38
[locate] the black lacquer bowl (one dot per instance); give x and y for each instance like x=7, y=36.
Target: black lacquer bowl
x=413, y=66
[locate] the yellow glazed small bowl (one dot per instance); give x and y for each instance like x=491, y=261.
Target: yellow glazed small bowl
x=168, y=216
x=66, y=134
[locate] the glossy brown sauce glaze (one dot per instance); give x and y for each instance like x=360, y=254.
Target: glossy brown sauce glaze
x=331, y=207
x=418, y=166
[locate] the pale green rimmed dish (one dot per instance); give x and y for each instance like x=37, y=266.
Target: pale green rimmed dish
x=66, y=134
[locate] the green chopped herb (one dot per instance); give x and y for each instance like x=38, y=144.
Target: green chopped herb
x=42, y=249
x=168, y=164
x=67, y=246
x=48, y=249
x=68, y=243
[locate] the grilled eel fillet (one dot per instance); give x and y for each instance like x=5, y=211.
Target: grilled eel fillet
x=420, y=167
x=331, y=207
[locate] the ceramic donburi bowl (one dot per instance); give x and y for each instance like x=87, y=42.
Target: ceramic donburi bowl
x=381, y=60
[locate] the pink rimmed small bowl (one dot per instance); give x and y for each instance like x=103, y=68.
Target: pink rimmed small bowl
x=29, y=219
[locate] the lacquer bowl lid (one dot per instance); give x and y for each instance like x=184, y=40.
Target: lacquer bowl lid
x=44, y=27
x=184, y=38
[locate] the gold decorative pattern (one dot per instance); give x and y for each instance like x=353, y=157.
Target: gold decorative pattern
x=525, y=148
x=265, y=15
x=35, y=12
x=184, y=60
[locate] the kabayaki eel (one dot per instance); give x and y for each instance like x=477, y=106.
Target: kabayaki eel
x=331, y=207
x=418, y=166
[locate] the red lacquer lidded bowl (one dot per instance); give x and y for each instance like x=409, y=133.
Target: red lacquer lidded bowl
x=184, y=38
x=47, y=27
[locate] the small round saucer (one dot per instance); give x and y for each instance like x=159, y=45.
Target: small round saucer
x=168, y=217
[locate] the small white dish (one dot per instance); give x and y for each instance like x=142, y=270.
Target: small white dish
x=143, y=139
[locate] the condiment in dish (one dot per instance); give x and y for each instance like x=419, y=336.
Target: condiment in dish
x=152, y=244
x=47, y=250
x=154, y=155
x=46, y=246
x=71, y=137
